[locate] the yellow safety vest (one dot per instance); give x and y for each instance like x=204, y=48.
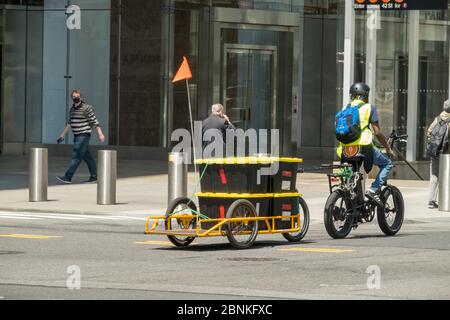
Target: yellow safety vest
x=364, y=118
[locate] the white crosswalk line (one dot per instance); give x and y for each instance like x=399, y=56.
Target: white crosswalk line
x=110, y=217
x=97, y=217
x=148, y=212
x=63, y=216
x=39, y=216
x=131, y=218
x=18, y=218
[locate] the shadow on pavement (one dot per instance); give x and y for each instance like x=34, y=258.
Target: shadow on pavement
x=226, y=246
x=378, y=236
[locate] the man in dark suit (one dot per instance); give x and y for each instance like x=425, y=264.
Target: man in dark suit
x=217, y=120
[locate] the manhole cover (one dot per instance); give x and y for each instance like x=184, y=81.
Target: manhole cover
x=250, y=259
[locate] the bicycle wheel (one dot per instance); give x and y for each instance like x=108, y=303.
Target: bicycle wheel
x=390, y=218
x=336, y=222
x=242, y=234
x=180, y=206
x=304, y=222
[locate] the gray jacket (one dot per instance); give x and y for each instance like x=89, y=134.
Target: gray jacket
x=444, y=116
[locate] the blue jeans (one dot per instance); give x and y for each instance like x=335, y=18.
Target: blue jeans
x=81, y=152
x=385, y=164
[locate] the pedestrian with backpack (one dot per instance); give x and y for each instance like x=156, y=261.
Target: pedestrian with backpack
x=352, y=129
x=82, y=120
x=437, y=144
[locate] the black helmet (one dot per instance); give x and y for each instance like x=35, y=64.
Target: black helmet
x=359, y=89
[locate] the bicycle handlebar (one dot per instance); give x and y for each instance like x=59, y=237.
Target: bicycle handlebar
x=396, y=137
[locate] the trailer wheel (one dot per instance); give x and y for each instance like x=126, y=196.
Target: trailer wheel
x=180, y=206
x=304, y=221
x=242, y=234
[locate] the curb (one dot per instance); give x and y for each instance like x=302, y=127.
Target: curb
x=80, y=212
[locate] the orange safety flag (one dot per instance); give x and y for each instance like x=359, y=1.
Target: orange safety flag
x=184, y=72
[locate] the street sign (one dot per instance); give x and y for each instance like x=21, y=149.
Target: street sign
x=401, y=4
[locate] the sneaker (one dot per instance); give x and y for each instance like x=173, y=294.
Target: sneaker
x=372, y=195
x=432, y=205
x=64, y=180
x=91, y=179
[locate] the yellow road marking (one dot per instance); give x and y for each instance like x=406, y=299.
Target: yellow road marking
x=27, y=236
x=320, y=250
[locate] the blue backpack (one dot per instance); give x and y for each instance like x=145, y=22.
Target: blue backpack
x=347, y=124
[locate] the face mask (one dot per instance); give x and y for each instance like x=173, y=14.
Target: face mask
x=76, y=100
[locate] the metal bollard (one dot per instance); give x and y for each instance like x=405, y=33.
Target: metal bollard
x=444, y=182
x=178, y=168
x=38, y=175
x=107, y=175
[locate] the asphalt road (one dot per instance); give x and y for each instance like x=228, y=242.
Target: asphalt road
x=41, y=256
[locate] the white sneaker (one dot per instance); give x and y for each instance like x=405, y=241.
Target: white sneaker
x=433, y=205
x=372, y=195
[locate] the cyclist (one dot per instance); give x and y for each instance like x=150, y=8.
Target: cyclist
x=368, y=116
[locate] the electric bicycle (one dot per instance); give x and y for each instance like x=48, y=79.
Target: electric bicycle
x=346, y=207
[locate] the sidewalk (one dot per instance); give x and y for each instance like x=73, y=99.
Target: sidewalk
x=142, y=190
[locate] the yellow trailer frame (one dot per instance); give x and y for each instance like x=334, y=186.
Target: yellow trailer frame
x=217, y=227
x=217, y=230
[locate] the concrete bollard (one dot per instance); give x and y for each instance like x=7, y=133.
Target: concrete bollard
x=444, y=182
x=107, y=176
x=178, y=169
x=38, y=175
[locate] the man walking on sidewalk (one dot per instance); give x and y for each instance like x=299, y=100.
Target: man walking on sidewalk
x=437, y=144
x=82, y=120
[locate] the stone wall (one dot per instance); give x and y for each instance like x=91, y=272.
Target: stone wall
x=140, y=85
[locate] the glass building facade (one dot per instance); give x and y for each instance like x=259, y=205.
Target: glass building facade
x=272, y=63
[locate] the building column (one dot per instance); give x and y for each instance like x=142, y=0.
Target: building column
x=413, y=84
x=349, y=49
x=373, y=24
x=167, y=67
x=448, y=41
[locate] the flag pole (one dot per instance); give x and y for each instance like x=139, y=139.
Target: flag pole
x=197, y=218
x=184, y=72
